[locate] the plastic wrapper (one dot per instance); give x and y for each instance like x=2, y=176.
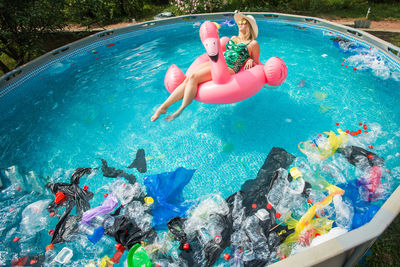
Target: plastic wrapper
x=139, y=162
x=166, y=190
x=112, y=172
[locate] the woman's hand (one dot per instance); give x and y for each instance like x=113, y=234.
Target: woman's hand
x=249, y=64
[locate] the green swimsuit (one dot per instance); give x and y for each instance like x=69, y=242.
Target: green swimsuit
x=236, y=55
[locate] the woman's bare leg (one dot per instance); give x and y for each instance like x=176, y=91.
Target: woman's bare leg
x=199, y=76
x=176, y=95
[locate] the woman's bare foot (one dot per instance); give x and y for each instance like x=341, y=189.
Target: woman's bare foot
x=173, y=116
x=158, y=112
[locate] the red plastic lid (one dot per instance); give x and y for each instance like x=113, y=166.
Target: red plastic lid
x=227, y=256
x=60, y=198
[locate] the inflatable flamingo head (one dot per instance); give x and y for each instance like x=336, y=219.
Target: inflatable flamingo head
x=210, y=39
x=275, y=71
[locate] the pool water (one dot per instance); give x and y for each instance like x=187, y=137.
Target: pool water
x=97, y=104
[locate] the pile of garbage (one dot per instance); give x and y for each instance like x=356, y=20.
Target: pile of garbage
x=293, y=203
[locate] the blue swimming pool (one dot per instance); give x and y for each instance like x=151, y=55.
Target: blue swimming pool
x=96, y=103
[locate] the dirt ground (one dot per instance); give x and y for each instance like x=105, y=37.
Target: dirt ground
x=389, y=25
x=383, y=25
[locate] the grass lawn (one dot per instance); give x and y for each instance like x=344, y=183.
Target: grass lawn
x=386, y=250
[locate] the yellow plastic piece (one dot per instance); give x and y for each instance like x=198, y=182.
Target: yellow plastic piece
x=106, y=262
x=158, y=157
x=308, y=224
x=295, y=173
x=148, y=200
x=327, y=149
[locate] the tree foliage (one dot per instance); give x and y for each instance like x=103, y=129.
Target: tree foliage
x=87, y=12
x=22, y=25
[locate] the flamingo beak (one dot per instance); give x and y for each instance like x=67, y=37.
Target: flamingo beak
x=212, y=48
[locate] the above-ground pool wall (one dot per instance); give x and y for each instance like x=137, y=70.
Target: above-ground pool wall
x=347, y=250
x=344, y=250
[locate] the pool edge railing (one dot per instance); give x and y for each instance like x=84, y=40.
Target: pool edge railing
x=392, y=51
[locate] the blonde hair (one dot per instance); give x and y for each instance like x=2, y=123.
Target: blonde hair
x=250, y=34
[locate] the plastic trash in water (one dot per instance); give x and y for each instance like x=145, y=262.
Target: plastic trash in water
x=64, y=256
x=262, y=214
x=333, y=233
x=284, y=194
x=109, y=204
x=94, y=234
x=138, y=257
x=323, y=146
x=200, y=215
x=34, y=217
x=344, y=213
x=166, y=190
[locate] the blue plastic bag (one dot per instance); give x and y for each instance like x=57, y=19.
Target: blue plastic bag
x=166, y=190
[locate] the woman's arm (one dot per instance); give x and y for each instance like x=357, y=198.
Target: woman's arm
x=254, y=52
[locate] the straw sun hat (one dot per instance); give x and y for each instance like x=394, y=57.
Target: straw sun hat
x=250, y=19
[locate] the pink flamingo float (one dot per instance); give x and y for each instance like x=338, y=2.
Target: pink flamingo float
x=225, y=88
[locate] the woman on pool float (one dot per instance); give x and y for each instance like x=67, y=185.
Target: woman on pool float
x=242, y=50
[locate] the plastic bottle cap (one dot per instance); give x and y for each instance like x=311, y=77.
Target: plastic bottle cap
x=33, y=261
x=360, y=123
x=16, y=239
x=278, y=215
x=365, y=131
x=60, y=198
x=370, y=146
x=227, y=256
x=337, y=124
x=186, y=246
x=218, y=239
x=51, y=232
x=370, y=156
x=309, y=200
x=365, y=126
x=269, y=206
x=254, y=206
x=49, y=247
x=148, y=200
x=52, y=214
x=85, y=187
x=105, y=195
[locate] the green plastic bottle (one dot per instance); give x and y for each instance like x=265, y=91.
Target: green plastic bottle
x=138, y=257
